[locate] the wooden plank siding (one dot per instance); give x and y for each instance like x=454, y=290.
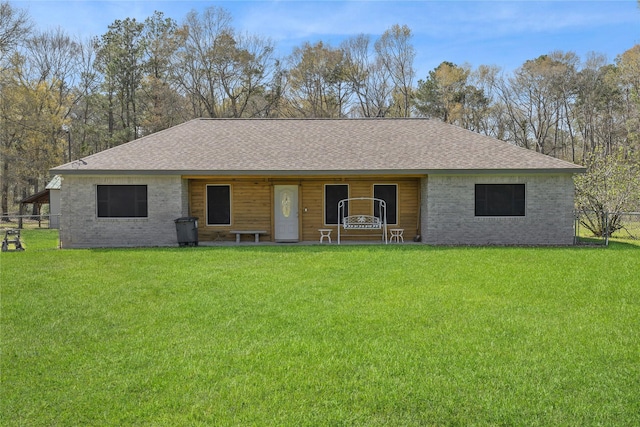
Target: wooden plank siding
x=250, y=208
x=252, y=204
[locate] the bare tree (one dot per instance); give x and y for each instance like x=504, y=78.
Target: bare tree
x=222, y=73
x=610, y=187
x=396, y=54
x=534, y=102
x=15, y=26
x=243, y=68
x=596, y=105
x=87, y=129
x=369, y=79
x=53, y=58
x=195, y=67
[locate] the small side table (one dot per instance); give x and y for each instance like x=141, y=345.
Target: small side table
x=325, y=232
x=397, y=235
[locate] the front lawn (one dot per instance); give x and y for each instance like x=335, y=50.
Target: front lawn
x=319, y=335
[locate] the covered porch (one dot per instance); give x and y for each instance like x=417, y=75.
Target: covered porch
x=296, y=209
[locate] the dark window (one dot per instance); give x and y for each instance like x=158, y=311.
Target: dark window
x=218, y=205
x=388, y=193
x=122, y=201
x=500, y=200
x=333, y=193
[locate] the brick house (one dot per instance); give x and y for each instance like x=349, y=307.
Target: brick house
x=441, y=184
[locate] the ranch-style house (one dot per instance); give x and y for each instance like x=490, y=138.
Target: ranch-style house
x=285, y=178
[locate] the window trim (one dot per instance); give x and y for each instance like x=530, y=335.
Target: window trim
x=397, y=210
x=504, y=215
x=206, y=205
x=324, y=203
x=110, y=217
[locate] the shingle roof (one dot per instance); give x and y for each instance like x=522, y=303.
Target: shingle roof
x=314, y=146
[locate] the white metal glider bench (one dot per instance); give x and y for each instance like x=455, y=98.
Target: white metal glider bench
x=363, y=222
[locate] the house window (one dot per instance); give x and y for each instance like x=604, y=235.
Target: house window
x=500, y=200
x=388, y=193
x=218, y=205
x=333, y=193
x=122, y=201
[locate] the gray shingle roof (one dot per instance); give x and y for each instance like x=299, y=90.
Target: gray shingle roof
x=314, y=146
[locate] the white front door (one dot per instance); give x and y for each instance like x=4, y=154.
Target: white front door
x=286, y=213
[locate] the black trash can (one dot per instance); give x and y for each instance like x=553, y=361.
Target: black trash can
x=187, y=230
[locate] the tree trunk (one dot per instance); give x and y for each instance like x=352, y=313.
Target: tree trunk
x=5, y=191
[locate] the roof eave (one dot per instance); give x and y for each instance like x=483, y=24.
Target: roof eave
x=38, y=198
x=517, y=171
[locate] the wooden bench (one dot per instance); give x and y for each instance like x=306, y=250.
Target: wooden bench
x=256, y=233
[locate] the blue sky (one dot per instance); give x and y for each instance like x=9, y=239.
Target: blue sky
x=502, y=33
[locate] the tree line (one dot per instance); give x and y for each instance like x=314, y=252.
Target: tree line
x=63, y=98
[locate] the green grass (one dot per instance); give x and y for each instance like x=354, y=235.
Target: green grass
x=320, y=335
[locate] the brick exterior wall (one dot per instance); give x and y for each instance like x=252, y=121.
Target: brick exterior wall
x=447, y=214
x=80, y=227
x=448, y=211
